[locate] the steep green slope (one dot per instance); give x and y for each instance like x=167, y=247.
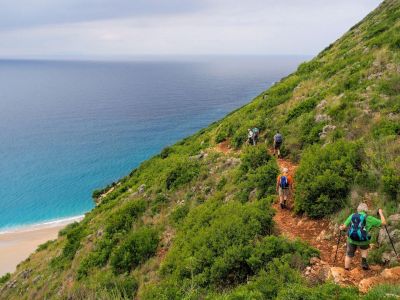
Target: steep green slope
x=197, y=223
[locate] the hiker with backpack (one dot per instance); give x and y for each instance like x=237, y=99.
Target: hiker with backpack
x=358, y=226
x=250, y=136
x=278, y=139
x=284, y=187
x=256, y=132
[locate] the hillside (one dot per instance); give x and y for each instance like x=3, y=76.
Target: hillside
x=198, y=221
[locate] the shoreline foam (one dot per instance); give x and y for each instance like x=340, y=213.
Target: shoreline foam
x=42, y=225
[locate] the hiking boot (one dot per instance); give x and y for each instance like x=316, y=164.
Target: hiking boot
x=364, y=264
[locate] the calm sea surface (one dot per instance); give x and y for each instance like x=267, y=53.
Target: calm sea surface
x=67, y=128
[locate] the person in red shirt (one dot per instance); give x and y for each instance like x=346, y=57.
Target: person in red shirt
x=284, y=187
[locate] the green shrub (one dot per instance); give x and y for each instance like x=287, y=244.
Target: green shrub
x=214, y=242
x=307, y=68
x=134, y=250
x=159, y=202
x=304, y=106
x=279, y=93
x=97, y=193
x=268, y=282
x=263, y=179
x=309, y=129
x=390, y=86
x=254, y=157
x=239, y=137
x=324, y=178
x=125, y=285
x=182, y=173
x=121, y=221
x=384, y=291
x=166, y=152
x=166, y=290
x=179, y=214
x=5, y=278
x=44, y=246
x=73, y=243
x=391, y=182
x=386, y=127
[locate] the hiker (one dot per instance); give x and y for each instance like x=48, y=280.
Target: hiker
x=256, y=132
x=278, y=139
x=284, y=187
x=359, y=224
x=250, y=136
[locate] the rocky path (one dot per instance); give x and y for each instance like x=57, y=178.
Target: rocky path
x=324, y=236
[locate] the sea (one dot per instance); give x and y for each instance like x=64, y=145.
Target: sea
x=69, y=127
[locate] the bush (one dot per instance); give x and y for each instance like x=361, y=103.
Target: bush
x=384, y=291
x=391, y=182
x=182, y=173
x=385, y=128
x=5, y=278
x=166, y=152
x=303, y=107
x=390, y=86
x=135, y=249
x=125, y=286
x=324, y=178
x=239, y=138
x=214, y=242
x=254, y=157
x=263, y=179
x=179, y=214
x=272, y=247
x=121, y=221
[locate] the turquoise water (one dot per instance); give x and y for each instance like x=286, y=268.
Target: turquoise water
x=67, y=128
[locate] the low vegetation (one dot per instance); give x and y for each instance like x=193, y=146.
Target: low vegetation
x=194, y=223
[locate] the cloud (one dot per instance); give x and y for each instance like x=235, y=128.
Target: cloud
x=30, y=13
x=212, y=27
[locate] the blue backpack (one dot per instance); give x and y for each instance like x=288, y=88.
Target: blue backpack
x=278, y=138
x=284, y=182
x=357, y=231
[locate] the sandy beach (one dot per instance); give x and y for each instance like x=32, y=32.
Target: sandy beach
x=17, y=245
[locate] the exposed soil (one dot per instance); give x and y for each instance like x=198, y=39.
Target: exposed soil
x=320, y=234
x=223, y=147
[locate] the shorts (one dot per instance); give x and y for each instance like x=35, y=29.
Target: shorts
x=277, y=145
x=351, y=249
x=283, y=192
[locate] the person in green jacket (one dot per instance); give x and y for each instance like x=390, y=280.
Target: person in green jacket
x=359, y=225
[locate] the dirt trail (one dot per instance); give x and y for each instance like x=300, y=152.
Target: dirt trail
x=319, y=234
x=223, y=147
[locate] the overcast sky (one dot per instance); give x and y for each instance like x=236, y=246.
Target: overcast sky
x=125, y=28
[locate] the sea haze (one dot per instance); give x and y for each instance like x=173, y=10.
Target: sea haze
x=67, y=128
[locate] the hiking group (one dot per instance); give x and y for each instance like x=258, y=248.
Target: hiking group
x=358, y=225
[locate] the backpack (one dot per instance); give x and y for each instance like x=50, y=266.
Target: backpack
x=284, y=183
x=357, y=231
x=278, y=138
x=256, y=130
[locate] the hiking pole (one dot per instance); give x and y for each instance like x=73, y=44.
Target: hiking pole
x=391, y=241
x=337, y=246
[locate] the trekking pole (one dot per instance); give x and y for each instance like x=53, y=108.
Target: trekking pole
x=391, y=241
x=337, y=246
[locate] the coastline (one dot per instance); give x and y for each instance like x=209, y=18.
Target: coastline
x=16, y=244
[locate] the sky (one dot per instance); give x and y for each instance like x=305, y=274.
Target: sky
x=129, y=28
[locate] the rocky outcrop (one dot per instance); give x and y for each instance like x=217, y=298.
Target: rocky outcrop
x=387, y=276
